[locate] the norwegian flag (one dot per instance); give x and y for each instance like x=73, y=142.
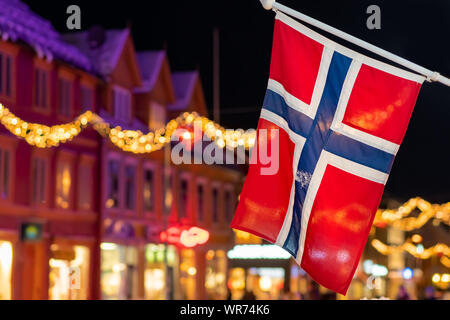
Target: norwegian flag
x=337, y=119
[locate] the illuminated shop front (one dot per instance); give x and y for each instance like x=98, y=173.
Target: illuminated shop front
x=188, y=273
x=6, y=258
x=69, y=272
x=161, y=265
x=190, y=268
x=216, y=272
x=119, y=271
x=262, y=271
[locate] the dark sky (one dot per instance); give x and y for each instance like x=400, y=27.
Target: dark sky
x=418, y=30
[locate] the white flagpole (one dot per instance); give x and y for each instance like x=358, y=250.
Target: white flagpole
x=431, y=75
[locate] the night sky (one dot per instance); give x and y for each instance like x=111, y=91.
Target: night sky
x=418, y=30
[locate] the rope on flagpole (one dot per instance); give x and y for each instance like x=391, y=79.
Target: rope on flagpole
x=432, y=76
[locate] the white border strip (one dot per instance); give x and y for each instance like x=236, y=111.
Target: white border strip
x=295, y=103
x=327, y=158
x=284, y=231
x=340, y=127
x=299, y=142
x=348, y=52
x=279, y=121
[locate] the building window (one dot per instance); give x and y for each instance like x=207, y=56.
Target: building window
x=65, y=97
x=183, y=198
x=113, y=184
x=87, y=98
x=4, y=173
x=130, y=195
x=122, y=104
x=63, y=183
x=85, y=175
x=41, y=86
x=215, y=205
x=6, y=74
x=229, y=205
x=39, y=180
x=200, y=202
x=157, y=116
x=168, y=195
x=149, y=191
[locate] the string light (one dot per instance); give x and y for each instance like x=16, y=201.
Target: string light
x=399, y=218
x=134, y=141
x=43, y=136
x=419, y=252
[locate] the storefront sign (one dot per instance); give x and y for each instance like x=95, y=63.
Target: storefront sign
x=31, y=231
x=256, y=251
x=188, y=237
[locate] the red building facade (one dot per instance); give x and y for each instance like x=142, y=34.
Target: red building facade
x=83, y=220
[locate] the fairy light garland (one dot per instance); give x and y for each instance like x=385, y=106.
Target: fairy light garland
x=399, y=218
x=43, y=136
x=416, y=251
x=134, y=141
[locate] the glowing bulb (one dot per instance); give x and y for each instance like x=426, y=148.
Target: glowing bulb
x=221, y=143
x=416, y=238
x=436, y=278
x=265, y=283
x=192, y=271
x=187, y=135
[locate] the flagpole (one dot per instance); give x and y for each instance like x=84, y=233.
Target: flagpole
x=431, y=75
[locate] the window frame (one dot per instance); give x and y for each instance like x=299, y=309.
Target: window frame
x=86, y=161
x=43, y=156
x=201, y=182
x=10, y=51
x=166, y=212
x=121, y=114
x=68, y=158
x=112, y=156
x=87, y=82
x=216, y=186
x=149, y=166
x=130, y=162
x=8, y=144
x=228, y=216
x=42, y=66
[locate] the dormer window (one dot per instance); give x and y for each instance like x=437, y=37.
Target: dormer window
x=157, y=116
x=122, y=104
x=87, y=98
